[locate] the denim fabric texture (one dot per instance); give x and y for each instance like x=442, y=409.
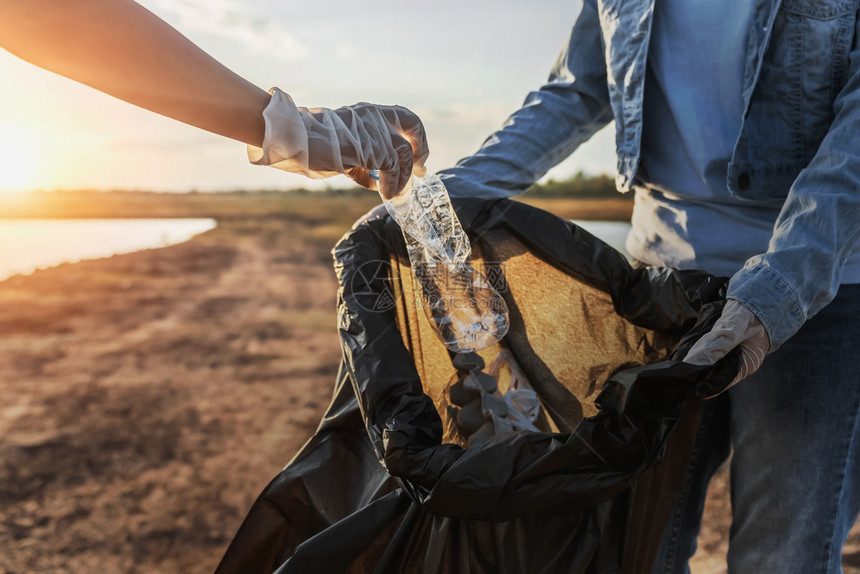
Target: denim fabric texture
x=795, y=473
x=798, y=147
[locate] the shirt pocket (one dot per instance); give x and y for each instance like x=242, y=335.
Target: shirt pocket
x=791, y=108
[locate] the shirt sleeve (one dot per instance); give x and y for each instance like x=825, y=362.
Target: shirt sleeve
x=816, y=230
x=552, y=122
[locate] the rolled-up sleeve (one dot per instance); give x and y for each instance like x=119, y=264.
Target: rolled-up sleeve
x=551, y=124
x=818, y=226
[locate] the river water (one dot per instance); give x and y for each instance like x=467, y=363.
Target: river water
x=30, y=244
x=612, y=232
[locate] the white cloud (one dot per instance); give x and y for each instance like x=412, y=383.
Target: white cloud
x=344, y=51
x=258, y=32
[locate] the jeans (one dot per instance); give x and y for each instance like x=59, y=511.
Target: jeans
x=794, y=427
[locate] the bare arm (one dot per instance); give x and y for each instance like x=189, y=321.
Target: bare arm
x=122, y=49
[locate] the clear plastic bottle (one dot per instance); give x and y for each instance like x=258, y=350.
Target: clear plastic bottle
x=466, y=312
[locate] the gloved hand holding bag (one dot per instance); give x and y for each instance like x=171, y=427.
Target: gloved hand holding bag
x=737, y=326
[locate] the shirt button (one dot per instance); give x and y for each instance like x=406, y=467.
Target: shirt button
x=744, y=181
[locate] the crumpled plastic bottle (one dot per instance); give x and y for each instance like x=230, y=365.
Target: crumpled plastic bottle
x=465, y=310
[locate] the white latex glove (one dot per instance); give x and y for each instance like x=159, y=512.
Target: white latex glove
x=737, y=326
x=320, y=142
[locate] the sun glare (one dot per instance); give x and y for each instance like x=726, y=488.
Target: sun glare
x=18, y=153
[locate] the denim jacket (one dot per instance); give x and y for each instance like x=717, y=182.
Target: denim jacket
x=799, y=145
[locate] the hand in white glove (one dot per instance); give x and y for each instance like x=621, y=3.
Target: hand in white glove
x=737, y=326
x=321, y=142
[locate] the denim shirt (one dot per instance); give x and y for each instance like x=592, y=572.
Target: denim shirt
x=798, y=148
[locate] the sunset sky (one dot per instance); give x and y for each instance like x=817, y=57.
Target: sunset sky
x=462, y=66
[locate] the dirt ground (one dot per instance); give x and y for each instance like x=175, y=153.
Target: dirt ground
x=148, y=398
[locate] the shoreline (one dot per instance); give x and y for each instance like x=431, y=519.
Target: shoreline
x=56, y=241
x=150, y=396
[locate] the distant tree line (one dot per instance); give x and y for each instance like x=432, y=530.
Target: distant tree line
x=580, y=186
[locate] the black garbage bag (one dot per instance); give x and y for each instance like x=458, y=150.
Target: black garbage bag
x=411, y=469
